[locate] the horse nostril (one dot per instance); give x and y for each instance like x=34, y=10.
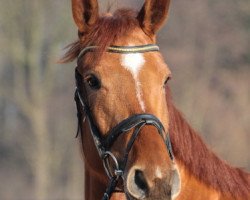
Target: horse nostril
x=137, y=184
x=140, y=181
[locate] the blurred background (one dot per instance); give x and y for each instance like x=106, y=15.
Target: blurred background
x=206, y=44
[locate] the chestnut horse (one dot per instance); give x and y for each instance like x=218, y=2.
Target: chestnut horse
x=125, y=113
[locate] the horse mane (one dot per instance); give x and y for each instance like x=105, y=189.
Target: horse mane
x=105, y=32
x=189, y=149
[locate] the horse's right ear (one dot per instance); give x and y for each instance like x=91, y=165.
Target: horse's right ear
x=85, y=13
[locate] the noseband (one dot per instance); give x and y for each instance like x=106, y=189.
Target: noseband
x=135, y=123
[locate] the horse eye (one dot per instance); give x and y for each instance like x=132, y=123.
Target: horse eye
x=93, y=82
x=166, y=81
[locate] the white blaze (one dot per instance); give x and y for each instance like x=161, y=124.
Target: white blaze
x=158, y=173
x=134, y=62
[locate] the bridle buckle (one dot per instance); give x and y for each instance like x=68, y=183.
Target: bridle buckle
x=117, y=172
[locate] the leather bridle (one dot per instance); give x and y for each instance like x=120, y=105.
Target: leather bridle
x=135, y=123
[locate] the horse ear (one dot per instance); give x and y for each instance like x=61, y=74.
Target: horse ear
x=85, y=13
x=153, y=14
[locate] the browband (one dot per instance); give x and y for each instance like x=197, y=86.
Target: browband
x=123, y=49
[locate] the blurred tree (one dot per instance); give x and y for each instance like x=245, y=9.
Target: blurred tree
x=32, y=39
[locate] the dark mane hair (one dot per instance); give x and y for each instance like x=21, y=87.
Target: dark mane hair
x=189, y=148
x=108, y=28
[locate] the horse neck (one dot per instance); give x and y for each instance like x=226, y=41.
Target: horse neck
x=202, y=164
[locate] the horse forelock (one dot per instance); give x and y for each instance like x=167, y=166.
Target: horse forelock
x=104, y=33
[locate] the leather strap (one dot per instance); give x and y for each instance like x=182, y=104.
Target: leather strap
x=122, y=49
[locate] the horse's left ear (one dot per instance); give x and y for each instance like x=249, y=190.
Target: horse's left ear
x=152, y=15
x=85, y=13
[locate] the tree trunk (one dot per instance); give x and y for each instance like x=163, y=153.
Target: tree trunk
x=41, y=157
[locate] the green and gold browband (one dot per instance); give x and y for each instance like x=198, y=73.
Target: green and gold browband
x=123, y=49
